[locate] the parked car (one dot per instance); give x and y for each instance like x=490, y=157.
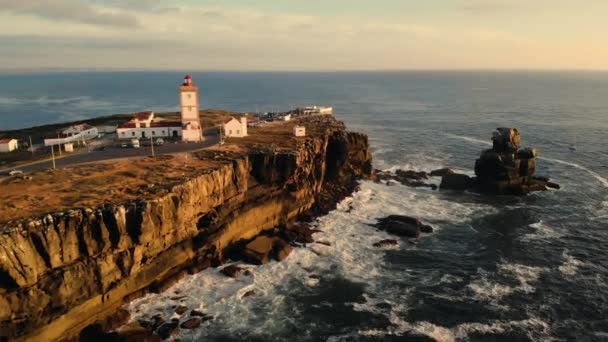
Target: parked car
x=124, y=145
x=15, y=173
x=135, y=143
x=160, y=141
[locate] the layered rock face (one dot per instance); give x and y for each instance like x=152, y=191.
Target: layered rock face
x=64, y=271
x=505, y=169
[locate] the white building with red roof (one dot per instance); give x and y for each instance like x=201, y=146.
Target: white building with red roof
x=146, y=125
x=8, y=145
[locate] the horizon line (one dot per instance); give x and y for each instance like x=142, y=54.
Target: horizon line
x=127, y=69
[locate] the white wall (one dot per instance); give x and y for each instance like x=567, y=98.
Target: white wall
x=235, y=128
x=84, y=135
x=154, y=132
x=8, y=147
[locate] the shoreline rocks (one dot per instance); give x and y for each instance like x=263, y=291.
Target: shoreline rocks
x=404, y=226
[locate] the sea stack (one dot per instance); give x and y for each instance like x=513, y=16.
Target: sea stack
x=505, y=169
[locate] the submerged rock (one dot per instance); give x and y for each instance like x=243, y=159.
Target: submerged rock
x=386, y=243
x=401, y=225
x=233, y=271
x=409, y=178
x=180, y=310
x=167, y=330
x=192, y=323
x=264, y=248
x=456, y=181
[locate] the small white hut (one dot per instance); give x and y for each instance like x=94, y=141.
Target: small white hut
x=299, y=131
x=234, y=128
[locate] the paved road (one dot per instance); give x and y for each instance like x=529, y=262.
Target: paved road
x=117, y=153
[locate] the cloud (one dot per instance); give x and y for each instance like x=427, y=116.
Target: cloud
x=71, y=11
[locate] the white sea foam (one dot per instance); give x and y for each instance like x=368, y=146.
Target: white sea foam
x=594, y=174
x=485, y=289
x=542, y=231
x=351, y=255
x=469, y=139
x=570, y=265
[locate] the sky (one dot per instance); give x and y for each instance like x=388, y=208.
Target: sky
x=304, y=35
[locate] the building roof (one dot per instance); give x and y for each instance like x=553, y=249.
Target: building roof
x=6, y=140
x=143, y=115
x=229, y=119
x=154, y=124
x=166, y=124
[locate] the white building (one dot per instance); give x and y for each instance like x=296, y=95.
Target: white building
x=76, y=133
x=315, y=110
x=234, y=128
x=8, y=145
x=145, y=125
x=299, y=131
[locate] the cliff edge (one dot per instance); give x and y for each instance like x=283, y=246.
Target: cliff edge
x=63, y=270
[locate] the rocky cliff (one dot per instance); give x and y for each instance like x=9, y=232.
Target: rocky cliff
x=65, y=270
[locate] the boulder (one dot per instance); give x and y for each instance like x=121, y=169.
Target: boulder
x=180, y=310
x=406, y=227
x=281, y=249
x=386, y=243
x=402, y=225
x=192, y=323
x=232, y=271
x=258, y=251
x=167, y=330
x=197, y=313
x=456, y=181
x=425, y=228
x=263, y=248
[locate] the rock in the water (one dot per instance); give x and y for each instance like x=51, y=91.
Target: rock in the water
x=425, y=228
x=441, y=172
x=197, y=313
x=505, y=169
x=263, y=248
x=192, y=323
x=401, y=225
x=180, y=310
x=281, y=250
x=258, y=251
x=406, y=177
x=456, y=181
x=386, y=243
x=167, y=330
x=232, y=271
x=248, y=294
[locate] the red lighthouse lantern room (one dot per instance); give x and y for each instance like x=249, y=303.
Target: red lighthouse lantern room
x=188, y=80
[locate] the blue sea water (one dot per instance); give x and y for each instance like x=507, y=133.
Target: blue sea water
x=495, y=269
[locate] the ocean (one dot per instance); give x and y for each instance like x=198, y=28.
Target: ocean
x=495, y=269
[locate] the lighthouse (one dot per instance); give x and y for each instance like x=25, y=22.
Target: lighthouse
x=191, y=123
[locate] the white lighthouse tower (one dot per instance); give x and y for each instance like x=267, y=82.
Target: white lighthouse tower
x=191, y=123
